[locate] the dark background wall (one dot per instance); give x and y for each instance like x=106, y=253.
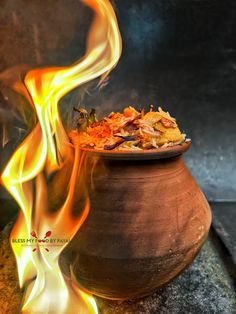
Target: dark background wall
x=180, y=54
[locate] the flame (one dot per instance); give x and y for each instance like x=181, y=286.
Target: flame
x=46, y=151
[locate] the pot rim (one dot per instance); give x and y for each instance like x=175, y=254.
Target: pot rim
x=148, y=154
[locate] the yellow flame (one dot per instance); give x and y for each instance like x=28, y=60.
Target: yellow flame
x=44, y=151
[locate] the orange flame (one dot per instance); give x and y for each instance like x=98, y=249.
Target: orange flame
x=44, y=151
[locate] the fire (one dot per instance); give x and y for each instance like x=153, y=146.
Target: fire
x=46, y=151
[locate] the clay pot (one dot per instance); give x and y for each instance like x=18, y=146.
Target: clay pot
x=147, y=222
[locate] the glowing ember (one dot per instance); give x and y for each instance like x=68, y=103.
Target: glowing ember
x=44, y=151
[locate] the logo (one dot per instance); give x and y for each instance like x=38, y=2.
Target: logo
x=47, y=235
x=38, y=243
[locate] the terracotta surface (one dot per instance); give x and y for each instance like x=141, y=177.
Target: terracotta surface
x=159, y=153
x=148, y=220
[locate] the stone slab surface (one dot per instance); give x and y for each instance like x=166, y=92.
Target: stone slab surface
x=224, y=223
x=205, y=287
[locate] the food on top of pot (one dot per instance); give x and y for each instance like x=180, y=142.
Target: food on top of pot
x=129, y=130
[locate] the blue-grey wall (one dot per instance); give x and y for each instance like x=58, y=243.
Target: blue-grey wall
x=176, y=53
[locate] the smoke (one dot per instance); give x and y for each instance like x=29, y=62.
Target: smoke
x=17, y=117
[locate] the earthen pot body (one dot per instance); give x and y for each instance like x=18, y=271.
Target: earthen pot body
x=148, y=220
